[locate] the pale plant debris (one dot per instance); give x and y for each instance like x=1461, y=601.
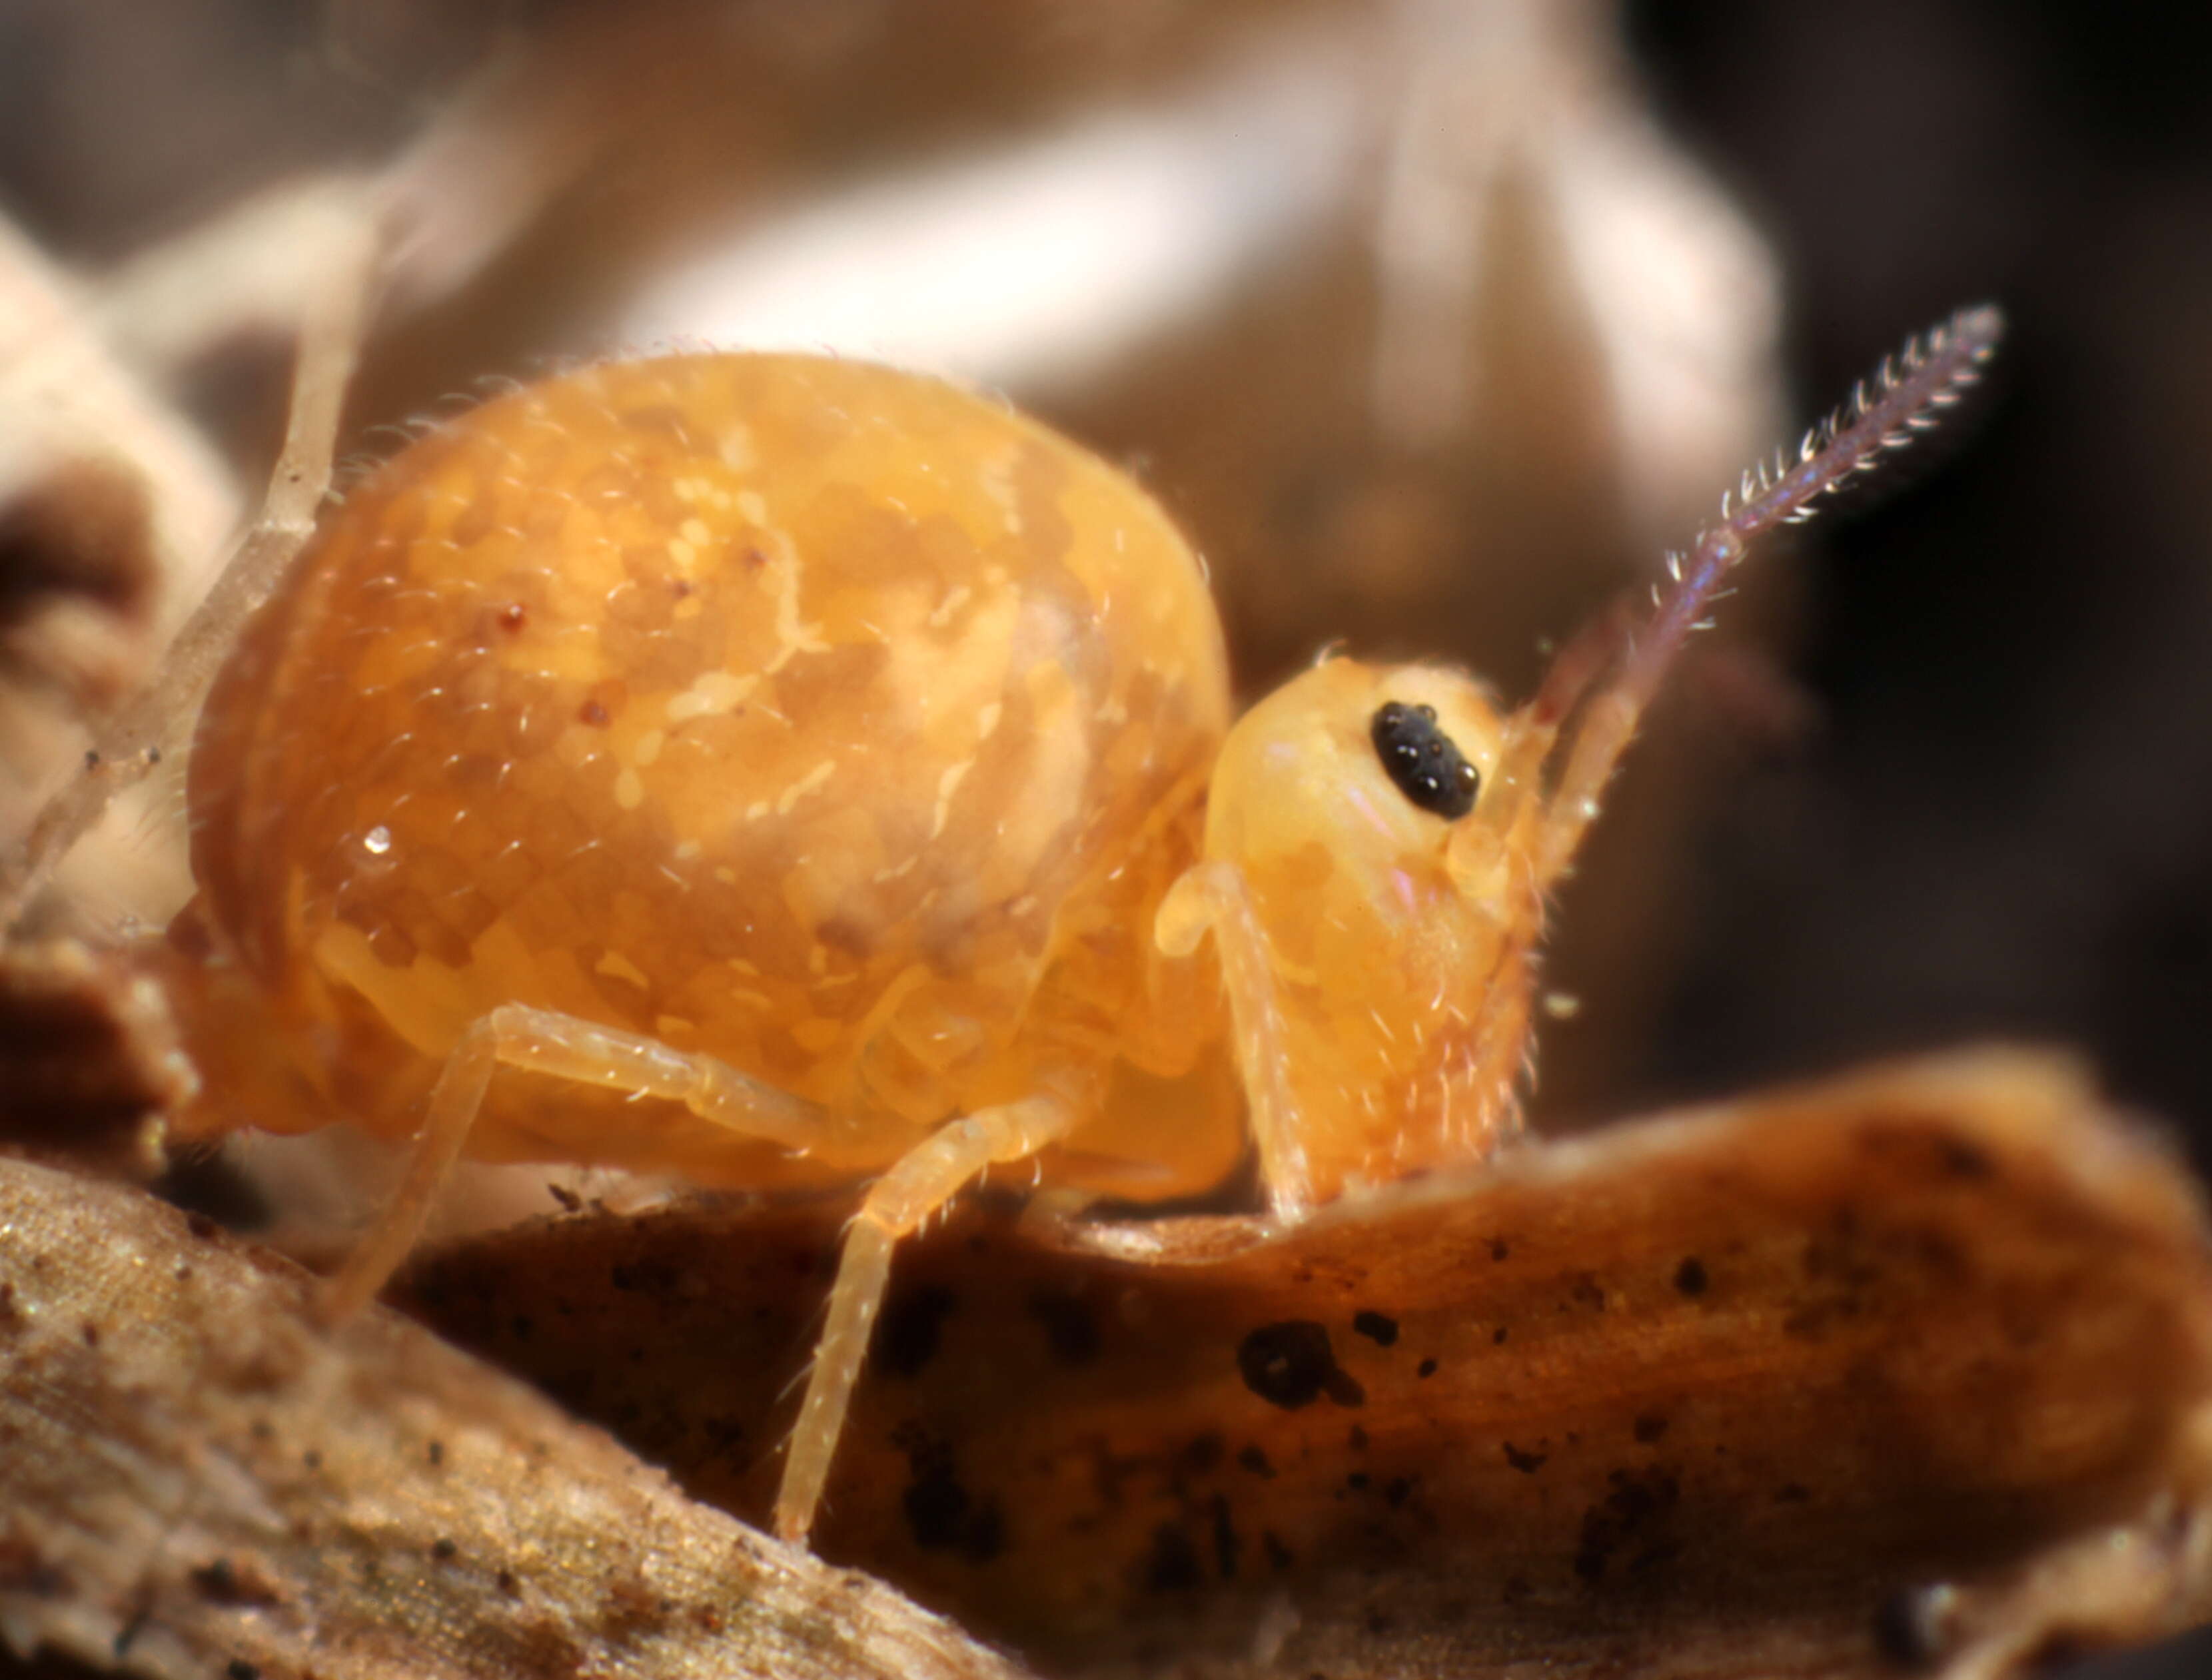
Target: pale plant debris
x=128, y=744
x=198, y=1480
x=1522, y=139
x=83, y=438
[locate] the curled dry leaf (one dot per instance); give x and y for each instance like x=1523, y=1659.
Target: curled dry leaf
x=89, y=1059
x=195, y=1480
x=77, y=572
x=1726, y=1393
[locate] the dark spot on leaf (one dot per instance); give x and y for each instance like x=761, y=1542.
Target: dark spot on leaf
x=1690, y=1277
x=1375, y=1327
x=905, y=1335
x=1425, y=1369
x=1498, y=1250
x=1399, y=1489
x=1254, y=1459
x=222, y=1582
x=1527, y=1462
x=724, y=1434
x=941, y=1513
x=1203, y=1453
x=1279, y=1556
x=239, y=1668
x=1814, y=1322
x=1649, y=1427
x=1071, y=1330
x=1226, y=1544
x=1173, y=1565
x=653, y=1278
x=1631, y=1516
x=1292, y=1364
x=444, y=1551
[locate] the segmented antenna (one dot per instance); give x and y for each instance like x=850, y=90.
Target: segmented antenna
x=1906, y=397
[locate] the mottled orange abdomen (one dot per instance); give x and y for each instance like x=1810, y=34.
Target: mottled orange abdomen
x=835, y=722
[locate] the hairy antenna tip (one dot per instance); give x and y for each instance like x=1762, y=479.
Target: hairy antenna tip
x=1981, y=324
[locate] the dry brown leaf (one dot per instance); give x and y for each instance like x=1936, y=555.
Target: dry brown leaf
x=89, y=1059
x=1910, y=1364
x=1710, y=1396
x=195, y=1480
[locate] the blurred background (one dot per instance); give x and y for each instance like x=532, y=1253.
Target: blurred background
x=1434, y=321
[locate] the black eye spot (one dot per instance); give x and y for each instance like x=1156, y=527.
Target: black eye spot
x=1423, y=761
